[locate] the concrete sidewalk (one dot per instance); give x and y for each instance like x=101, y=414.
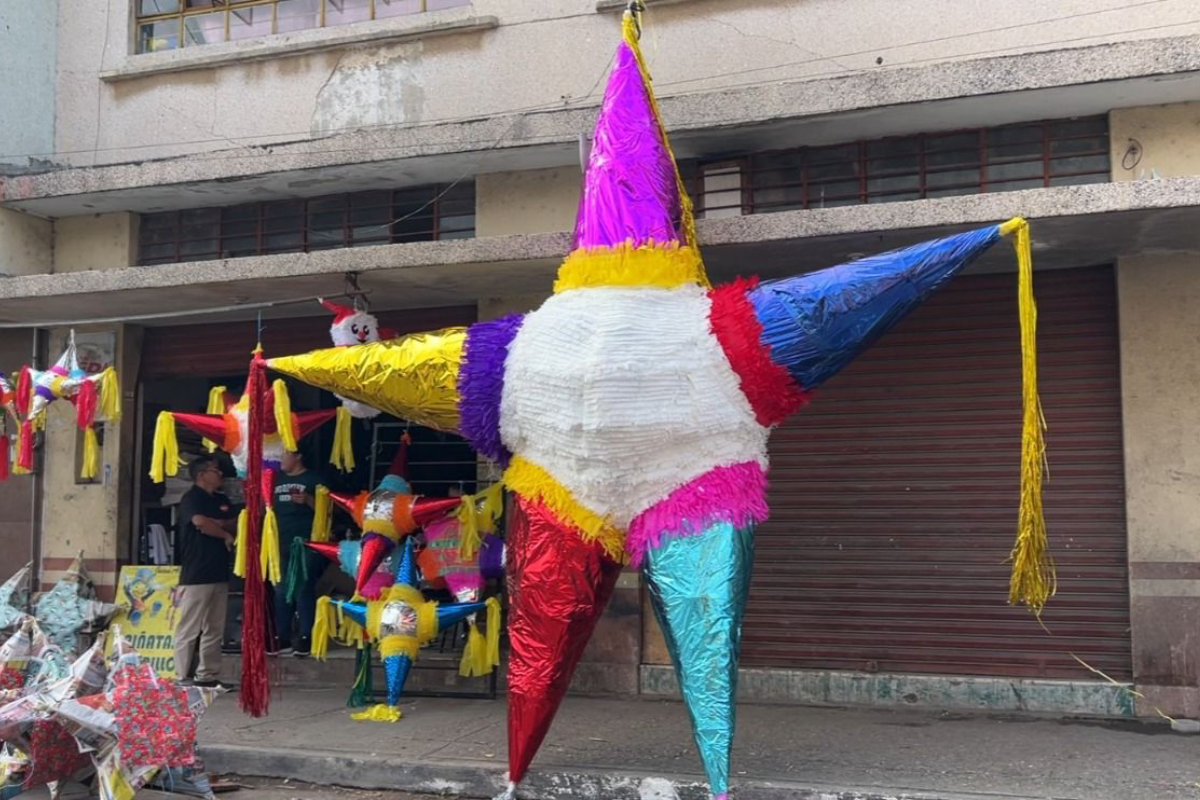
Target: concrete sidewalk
x=611, y=749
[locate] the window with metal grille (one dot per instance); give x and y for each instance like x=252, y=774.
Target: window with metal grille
x=171, y=24
x=418, y=214
x=1024, y=156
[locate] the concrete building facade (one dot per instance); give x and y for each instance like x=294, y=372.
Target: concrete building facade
x=811, y=132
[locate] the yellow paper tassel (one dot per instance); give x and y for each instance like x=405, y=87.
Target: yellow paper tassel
x=216, y=405
x=493, y=632
x=283, y=415
x=110, y=396
x=164, y=454
x=243, y=534
x=91, y=454
x=491, y=508
x=322, y=527
x=468, y=529
x=342, y=455
x=268, y=556
x=474, y=657
x=322, y=628
x=350, y=633
x=378, y=713
x=1033, y=579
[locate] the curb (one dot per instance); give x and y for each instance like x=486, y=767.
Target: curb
x=467, y=779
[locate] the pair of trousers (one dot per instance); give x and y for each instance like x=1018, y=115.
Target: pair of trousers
x=305, y=601
x=200, y=622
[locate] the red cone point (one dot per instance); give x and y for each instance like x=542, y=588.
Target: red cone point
x=375, y=549
x=429, y=509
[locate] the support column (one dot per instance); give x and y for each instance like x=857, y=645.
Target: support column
x=1160, y=377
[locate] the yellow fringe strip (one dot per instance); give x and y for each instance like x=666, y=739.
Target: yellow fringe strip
x=1033, y=580
x=216, y=405
x=629, y=32
x=399, y=646
x=243, y=536
x=662, y=265
x=342, y=455
x=322, y=628
x=381, y=712
x=477, y=515
x=283, y=415
x=427, y=622
x=349, y=632
x=322, y=525
x=482, y=654
x=110, y=396
x=535, y=483
x=91, y=454
x=268, y=555
x=164, y=453
x=493, y=632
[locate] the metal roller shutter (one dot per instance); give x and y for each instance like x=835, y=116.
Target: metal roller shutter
x=894, y=496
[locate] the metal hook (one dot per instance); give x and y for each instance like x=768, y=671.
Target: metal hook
x=635, y=9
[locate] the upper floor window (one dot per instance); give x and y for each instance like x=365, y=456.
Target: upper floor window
x=417, y=214
x=171, y=24
x=1024, y=156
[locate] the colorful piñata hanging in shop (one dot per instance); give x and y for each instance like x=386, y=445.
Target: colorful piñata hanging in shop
x=632, y=412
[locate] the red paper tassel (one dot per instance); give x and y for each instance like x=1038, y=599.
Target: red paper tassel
x=85, y=404
x=255, y=696
x=24, y=391
x=25, y=446
x=4, y=445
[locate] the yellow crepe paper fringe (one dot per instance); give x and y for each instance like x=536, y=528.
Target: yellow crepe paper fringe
x=268, y=557
x=666, y=265
x=322, y=628
x=243, y=536
x=110, y=395
x=283, y=415
x=164, y=453
x=1033, y=579
x=530, y=480
x=399, y=646
x=629, y=32
x=91, y=454
x=349, y=632
x=342, y=454
x=322, y=526
x=381, y=712
x=477, y=515
x=216, y=405
x=482, y=654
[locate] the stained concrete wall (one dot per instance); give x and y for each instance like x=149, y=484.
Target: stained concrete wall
x=97, y=241
x=92, y=517
x=28, y=51
x=1160, y=381
x=26, y=244
x=1155, y=141
x=539, y=55
x=534, y=201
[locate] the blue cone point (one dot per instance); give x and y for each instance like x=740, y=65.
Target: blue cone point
x=396, y=668
x=406, y=569
x=356, y=611
x=815, y=324
x=448, y=615
x=698, y=586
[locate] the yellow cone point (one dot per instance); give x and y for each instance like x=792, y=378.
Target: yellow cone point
x=413, y=377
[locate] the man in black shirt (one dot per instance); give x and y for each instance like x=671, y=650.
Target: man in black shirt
x=207, y=524
x=295, y=493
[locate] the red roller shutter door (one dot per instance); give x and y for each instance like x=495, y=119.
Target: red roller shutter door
x=894, y=497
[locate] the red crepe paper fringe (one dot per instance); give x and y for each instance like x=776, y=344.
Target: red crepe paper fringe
x=24, y=391
x=772, y=392
x=255, y=696
x=4, y=445
x=85, y=404
x=25, y=446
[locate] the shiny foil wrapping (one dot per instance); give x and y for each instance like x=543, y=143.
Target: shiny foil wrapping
x=698, y=587
x=558, y=586
x=396, y=669
x=816, y=324
x=413, y=377
x=629, y=189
